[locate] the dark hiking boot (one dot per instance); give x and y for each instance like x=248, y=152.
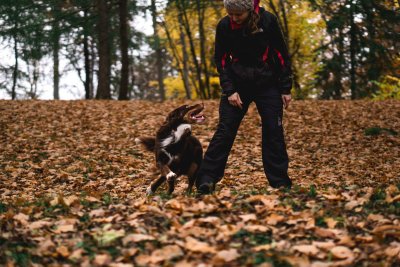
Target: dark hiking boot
x=206, y=189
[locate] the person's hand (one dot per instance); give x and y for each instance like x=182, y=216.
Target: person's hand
x=286, y=100
x=235, y=100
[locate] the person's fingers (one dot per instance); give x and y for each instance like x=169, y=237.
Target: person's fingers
x=287, y=103
x=239, y=104
x=237, y=101
x=284, y=102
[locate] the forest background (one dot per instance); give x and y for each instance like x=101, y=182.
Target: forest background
x=345, y=49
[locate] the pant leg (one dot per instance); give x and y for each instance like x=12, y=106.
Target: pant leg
x=215, y=158
x=274, y=154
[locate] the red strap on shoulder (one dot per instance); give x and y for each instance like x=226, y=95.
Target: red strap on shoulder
x=265, y=55
x=223, y=61
x=280, y=57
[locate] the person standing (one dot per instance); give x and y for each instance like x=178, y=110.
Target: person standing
x=253, y=63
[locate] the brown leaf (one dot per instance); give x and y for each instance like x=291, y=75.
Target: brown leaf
x=307, y=249
x=22, y=218
x=76, y=254
x=375, y=217
x=269, y=201
x=347, y=241
x=185, y=263
x=97, y=213
x=39, y=224
x=387, y=230
x=70, y=200
x=64, y=229
x=248, y=217
x=63, y=251
x=324, y=245
x=102, y=260
x=198, y=246
x=143, y=260
x=391, y=191
x=174, y=204
x=274, y=219
x=262, y=247
x=352, y=204
x=45, y=247
x=136, y=238
x=166, y=253
x=257, y=228
x=342, y=252
x=330, y=222
x=325, y=233
x=92, y=199
x=393, y=251
x=227, y=255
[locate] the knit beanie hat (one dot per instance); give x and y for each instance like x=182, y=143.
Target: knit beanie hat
x=239, y=4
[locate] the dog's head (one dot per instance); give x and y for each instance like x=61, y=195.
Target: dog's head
x=186, y=114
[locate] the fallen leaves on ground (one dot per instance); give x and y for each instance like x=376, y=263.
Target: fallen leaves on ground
x=73, y=182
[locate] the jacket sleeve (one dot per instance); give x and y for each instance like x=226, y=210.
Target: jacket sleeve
x=279, y=45
x=221, y=59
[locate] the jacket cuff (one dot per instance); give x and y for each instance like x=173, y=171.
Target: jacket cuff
x=228, y=93
x=286, y=91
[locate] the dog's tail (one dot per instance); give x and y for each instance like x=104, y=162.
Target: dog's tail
x=147, y=142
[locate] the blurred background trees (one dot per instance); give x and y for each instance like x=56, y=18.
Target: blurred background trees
x=342, y=49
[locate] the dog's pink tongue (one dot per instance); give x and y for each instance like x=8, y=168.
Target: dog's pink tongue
x=200, y=118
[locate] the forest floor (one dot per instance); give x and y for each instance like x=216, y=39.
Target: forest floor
x=73, y=182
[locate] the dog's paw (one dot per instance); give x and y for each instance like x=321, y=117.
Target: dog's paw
x=171, y=175
x=149, y=191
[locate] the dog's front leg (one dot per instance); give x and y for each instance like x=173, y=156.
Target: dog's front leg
x=164, y=159
x=171, y=177
x=166, y=171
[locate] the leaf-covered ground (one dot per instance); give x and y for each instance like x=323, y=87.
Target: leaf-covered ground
x=72, y=189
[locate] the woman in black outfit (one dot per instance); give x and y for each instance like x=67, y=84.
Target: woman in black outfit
x=253, y=65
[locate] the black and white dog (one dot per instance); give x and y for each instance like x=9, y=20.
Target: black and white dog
x=177, y=151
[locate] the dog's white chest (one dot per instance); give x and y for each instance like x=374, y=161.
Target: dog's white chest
x=175, y=136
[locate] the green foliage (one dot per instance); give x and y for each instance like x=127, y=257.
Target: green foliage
x=359, y=48
x=252, y=238
x=313, y=191
x=320, y=221
x=389, y=88
x=3, y=208
x=378, y=130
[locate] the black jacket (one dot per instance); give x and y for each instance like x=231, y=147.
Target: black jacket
x=259, y=59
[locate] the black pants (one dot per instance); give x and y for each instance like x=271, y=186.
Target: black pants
x=275, y=158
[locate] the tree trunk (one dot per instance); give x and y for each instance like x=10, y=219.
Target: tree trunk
x=56, y=50
x=123, y=28
x=185, y=71
x=15, y=71
x=103, y=87
x=181, y=8
x=178, y=60
x=158, y=51
x=200, y=14
x=353, y=85
x=86, y=55
x=338, y=87
x=92, y=63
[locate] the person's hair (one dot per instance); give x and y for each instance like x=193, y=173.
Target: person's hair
x=252, y=22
